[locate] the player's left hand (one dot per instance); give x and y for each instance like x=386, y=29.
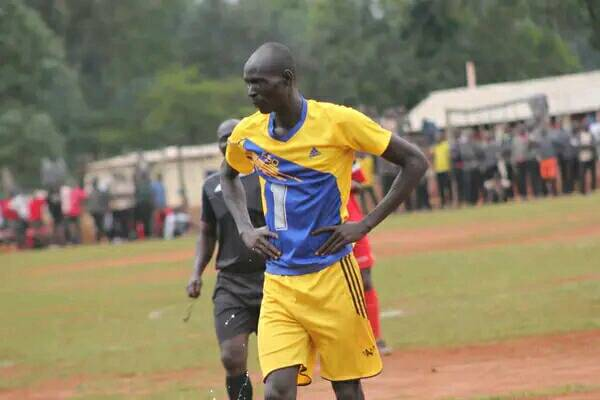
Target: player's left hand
x=341, y=235
x=194, y=286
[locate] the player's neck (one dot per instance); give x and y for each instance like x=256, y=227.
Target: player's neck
x=287, y=117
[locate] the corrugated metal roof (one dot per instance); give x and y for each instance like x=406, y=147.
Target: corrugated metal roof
x=566, y=94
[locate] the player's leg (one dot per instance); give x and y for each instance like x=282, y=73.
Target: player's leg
x=234, y=355
x=281, y=384
x=285, y=349
x=365, y=260
x=333, y=311
x=236, y=310
x=372, y=303
x=348, y=390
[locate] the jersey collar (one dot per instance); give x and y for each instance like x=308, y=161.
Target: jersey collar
x=294, y=129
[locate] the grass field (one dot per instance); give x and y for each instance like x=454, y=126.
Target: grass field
x=105, y=322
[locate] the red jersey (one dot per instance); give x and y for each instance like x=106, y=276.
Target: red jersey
x=76, y=197
x=36, y=205
x=7, y=212
x=354, y=212
x=362, y=248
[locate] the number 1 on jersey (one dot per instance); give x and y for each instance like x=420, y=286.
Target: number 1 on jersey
x=279, y=195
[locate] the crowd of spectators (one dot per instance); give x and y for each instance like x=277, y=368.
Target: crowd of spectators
x=121, y=209
x=486, y=164
x=498, y=163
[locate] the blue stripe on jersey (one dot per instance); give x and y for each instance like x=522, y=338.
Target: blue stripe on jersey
x=299, y=200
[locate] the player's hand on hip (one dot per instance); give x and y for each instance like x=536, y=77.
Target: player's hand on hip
x=257, y=240
x=341, y=235
x=194, y=286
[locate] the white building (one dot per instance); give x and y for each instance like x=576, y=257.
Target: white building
x=197, y=162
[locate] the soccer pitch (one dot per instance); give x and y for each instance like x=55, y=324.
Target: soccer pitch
x=457, y=288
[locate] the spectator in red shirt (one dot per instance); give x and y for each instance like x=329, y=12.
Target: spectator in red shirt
x=36, y=210
x=366, y=261
x=72, y=210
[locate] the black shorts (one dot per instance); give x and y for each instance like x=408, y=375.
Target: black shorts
x=236, y=300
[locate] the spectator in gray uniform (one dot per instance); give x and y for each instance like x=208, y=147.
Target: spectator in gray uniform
x=491, y=154
x=519, y=154
x=533, y=165
x=546, y=146
x=566, y=152
x=507, y=173
x=458, y=172
x=469, y=153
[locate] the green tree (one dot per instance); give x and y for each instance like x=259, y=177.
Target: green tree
x=183, y=108
x=27, y=135
x=40, y=99
x=498, y=36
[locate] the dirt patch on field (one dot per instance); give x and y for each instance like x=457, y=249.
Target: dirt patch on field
x=392, y=243
x=593, y=395
x=123, y=384
x=540, y=364
x=123, y=262
x=414, y=241
x=535, y=364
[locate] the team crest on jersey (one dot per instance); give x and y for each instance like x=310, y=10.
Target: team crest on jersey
x=269, y=165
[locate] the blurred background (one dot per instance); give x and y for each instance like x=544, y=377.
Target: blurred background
x=93, y=91
x=108, y=117
x=89, y=79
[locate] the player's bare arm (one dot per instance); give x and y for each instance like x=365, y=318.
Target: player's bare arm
x=234, y=195
x=414, y=165
x=205, y=247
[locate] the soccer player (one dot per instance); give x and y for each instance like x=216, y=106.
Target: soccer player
x=238, y=290
x=313, y=300
x=364, y=258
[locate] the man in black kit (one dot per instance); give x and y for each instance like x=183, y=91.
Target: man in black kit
x=238, y=290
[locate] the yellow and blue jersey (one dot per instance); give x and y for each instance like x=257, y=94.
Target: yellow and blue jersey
x=305, y=176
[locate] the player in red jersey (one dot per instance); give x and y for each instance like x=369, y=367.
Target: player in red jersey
x=364, y=257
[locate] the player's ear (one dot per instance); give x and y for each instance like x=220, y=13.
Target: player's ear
x=288, y=77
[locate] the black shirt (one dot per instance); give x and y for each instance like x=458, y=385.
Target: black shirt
x=233, y=255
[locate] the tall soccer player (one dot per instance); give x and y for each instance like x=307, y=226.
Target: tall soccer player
x=313, y=300
x=238, y=290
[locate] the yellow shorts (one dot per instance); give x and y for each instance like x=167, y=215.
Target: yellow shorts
x=321, y=313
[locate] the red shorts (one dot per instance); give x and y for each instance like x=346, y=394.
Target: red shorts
x=362, y=253
x=549, y=168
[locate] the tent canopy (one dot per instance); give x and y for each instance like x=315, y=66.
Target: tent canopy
x=566, y=95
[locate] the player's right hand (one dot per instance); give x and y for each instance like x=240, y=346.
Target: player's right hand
x=257, y=241
x=194, y=286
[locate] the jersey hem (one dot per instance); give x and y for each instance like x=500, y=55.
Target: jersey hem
x=304, y=270
x=302, y=369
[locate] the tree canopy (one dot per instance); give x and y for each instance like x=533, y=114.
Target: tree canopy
x=96, y=78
